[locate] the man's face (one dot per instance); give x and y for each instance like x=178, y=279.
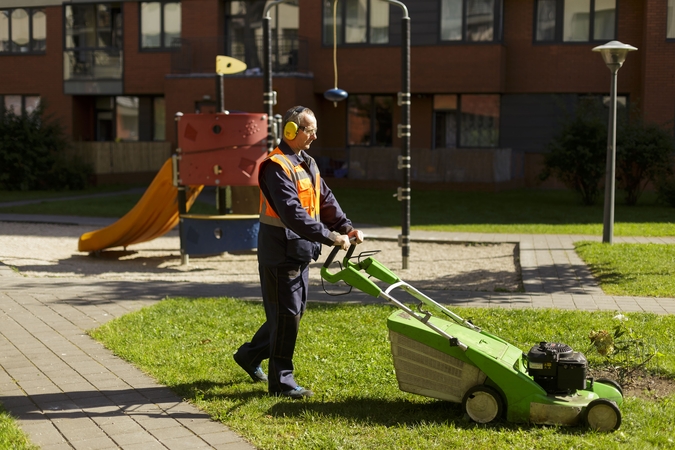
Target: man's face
x=306, y=134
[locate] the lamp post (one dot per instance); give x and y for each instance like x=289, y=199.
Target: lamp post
x=614, y=54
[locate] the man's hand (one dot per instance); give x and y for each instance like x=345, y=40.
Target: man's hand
x=357, y=235
x=344, y=240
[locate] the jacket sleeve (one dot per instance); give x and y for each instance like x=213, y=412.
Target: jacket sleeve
x=331, y=213
x=282, y=194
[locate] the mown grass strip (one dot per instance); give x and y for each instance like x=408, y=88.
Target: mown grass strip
x=641, y=270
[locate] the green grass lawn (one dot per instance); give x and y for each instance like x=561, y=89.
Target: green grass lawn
x=516, y=211
x=343, y=354
x=11, y=436
x=645, y=270
x=109, y=206
x=12, y=196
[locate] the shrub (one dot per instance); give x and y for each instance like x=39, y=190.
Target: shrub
x=642, y=155
x=665, y=188
x=32, y=155
x=578, y=153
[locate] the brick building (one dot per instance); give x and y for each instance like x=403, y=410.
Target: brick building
x=490, y=79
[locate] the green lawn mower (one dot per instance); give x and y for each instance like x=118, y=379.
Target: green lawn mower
x=449, y=358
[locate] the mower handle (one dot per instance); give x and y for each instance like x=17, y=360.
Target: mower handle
x=331, y=256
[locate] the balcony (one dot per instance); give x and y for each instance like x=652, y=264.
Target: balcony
x=92, y=71
x=198, y=55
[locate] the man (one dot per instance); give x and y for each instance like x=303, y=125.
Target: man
x=298, y=213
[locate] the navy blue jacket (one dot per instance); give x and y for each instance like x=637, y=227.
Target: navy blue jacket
x=301, y=241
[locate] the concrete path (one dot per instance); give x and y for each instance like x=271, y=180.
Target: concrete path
x=68, y=392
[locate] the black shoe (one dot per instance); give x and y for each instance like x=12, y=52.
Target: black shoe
x=256, y=373
x=297, y=393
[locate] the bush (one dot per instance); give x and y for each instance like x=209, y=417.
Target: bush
x=578, y=153
x=642, y=155
x=665, y=188
x=32, y=155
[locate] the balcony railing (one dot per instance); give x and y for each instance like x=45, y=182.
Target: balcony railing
x=88, y=65
x=92, y=71
x=198, y=55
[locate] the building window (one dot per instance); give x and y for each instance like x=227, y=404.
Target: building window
x=370, y=120
x=130, y=118
x=93, y=26
x=356, y=22
x=466, y=121
x=575, y=20
x=23, y=30
x=160, y=24
x=19, y=104
x=670, y=30
x=471, y=20
x=92, y=55
x=245, y=40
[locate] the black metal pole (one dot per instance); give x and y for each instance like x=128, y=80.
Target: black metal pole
x=181, y=194
x=405, y=135
x=404, y=193
x=269, y=99
x=221, y=191
x=220, y=94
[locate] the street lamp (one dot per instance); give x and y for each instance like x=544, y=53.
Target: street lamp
x=614, y=54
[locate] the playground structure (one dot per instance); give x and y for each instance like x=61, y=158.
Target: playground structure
x=220, y=149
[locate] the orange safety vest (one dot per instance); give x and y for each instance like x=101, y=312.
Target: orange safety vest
x=309, y=195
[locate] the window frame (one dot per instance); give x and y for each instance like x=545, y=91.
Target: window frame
x=559, y=25
x=668, y=18
x=341, y=30
x=498, y=25
x=289, y=50
x=3, y=107
x=162, y=47
x=373, y=120
x=459, y=114
x=145, y=126
x=120, y=41
x=31, y=41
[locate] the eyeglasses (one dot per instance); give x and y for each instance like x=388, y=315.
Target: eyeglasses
x=309, y=131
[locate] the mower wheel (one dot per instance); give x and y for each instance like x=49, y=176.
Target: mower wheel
x=482, y=404
x=603, y=415
x=612, y=383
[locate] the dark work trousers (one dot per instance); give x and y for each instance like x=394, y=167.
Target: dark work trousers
x=284, y=291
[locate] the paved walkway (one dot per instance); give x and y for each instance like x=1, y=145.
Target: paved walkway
x=68, y=392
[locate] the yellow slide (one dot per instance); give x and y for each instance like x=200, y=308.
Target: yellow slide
x=155, y=214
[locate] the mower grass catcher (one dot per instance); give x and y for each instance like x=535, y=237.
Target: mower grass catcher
x=451, y=359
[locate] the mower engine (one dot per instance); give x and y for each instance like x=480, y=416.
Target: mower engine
x=557, y=368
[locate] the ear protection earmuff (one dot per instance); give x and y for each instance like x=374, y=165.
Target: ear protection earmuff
x=291, y=128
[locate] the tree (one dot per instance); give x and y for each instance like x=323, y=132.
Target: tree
x=577, y=154
x=32, y=154
x=643, y=155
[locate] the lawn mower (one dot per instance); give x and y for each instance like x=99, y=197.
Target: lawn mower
x=446, y=357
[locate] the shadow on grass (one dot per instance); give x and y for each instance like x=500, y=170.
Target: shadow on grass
x=363, y=410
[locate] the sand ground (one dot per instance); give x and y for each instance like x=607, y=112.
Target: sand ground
x=50, y=250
